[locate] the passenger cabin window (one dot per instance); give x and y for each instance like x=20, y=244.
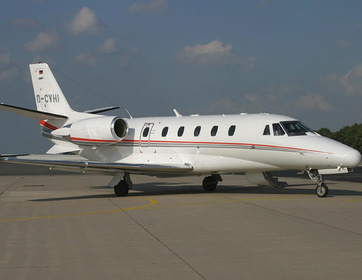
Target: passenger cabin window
x=266, y=130
x=278, y=131
x=164, y=131
x=214, y=130
x=180, y=131
x=197, y=131
x=145, y=131
x=231, y=130
x=296, y=128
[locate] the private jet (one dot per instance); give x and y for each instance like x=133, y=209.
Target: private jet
x=257, y=145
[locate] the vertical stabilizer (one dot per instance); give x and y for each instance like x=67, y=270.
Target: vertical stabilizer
x=48, y=95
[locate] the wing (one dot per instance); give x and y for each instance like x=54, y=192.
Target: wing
x=76, y=163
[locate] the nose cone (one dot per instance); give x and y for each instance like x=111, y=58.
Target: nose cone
x=352, y=158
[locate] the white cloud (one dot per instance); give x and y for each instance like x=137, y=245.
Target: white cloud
x=211, y=53
x=109, y=47
x=86, y=21
x=347, y=84
x=87, y=59
x=252, y=64
x=313, y=101
x=215, y=53
x=153, y=7
x=252, y=98
x=4, y=59
x=7, y=75
x=44, y=41
x=352, y=80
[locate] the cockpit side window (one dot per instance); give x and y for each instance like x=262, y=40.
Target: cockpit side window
x=295, y=128
x=278, y=131
x=266, y=130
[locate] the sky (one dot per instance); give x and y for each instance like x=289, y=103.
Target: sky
x=297, y=58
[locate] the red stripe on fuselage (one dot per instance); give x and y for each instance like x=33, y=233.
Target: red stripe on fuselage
x=93, y=140
x=197, y=143
x=226, y=144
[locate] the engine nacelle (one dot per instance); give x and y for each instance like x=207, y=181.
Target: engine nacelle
x=98, y=131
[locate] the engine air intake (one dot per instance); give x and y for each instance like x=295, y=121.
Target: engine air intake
x=120, y=128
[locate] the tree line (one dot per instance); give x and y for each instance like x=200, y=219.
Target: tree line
x=349, y=135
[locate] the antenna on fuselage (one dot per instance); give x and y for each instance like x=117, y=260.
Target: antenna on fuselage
x=177, y=113
x=129, y=114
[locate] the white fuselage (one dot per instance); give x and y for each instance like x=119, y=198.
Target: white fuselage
x=254, y=144
x=215, y=149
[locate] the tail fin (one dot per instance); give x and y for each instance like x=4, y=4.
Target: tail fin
x=48, y=95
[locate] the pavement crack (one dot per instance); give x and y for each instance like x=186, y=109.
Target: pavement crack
x=11, y=185
x=160, y=241
x=297, y=217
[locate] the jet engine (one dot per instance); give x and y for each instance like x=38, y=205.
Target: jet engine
x=97, y=131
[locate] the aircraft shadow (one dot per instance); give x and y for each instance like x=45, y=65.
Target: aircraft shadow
x=170, y=189
x=295, y=190
x=74, y=197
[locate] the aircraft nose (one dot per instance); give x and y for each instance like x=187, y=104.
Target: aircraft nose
x=352, y=158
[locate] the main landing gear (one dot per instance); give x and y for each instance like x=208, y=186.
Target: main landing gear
x=210, y=183
x=321, y=190
x=122, y=188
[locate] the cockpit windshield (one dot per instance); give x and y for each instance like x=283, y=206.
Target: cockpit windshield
x=293, y=128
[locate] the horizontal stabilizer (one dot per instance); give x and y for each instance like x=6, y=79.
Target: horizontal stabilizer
x=101, y=110
x=64, y=131
x=70, y=162
x=33, y=114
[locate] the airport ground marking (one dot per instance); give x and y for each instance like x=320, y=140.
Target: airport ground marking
x=152, y=202
x=21, y=178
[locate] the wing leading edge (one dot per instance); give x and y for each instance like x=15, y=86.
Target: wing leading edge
x=76, y=163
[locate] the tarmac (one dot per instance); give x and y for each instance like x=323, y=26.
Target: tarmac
x=56, y=225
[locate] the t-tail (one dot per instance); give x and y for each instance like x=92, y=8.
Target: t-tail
x=48, y=95
x=50, y=99
x=66, y=128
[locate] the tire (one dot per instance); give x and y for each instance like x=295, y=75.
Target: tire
x=121, y=189
x=321, y=190
x=209, y=184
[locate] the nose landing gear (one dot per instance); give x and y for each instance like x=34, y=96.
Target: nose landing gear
x=321, y=190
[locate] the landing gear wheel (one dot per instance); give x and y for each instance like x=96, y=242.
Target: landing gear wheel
x=321, y=190
x=121, y=189
x=209, y=184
